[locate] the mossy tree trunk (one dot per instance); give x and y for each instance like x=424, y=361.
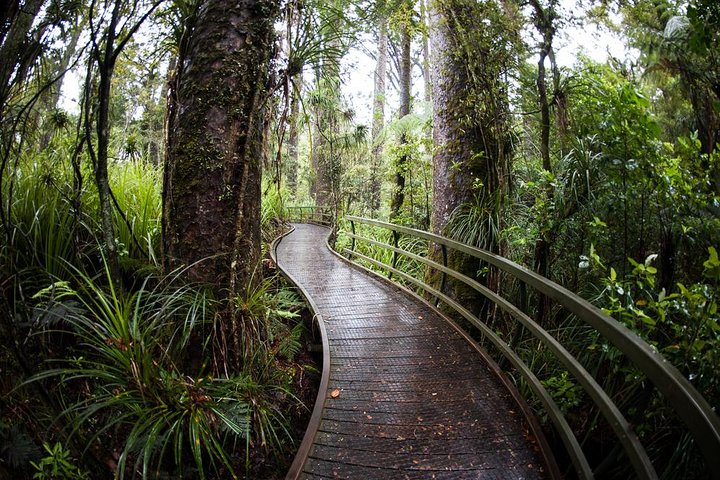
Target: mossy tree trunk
x=544, y=19
x=378, y=121
x=211, y=194
x=401, y=162
x=472, y=44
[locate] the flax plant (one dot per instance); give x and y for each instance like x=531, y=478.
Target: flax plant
x=128, y=382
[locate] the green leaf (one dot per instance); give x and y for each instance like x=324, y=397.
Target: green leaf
x=712, y=265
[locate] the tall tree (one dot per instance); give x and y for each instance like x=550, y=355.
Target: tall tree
x=294, y=134
x=211, y=193
x=472, y=46
x=427, y=94
x=544, y=18
x=111, y=30
x=378, y=120
x=401, y=163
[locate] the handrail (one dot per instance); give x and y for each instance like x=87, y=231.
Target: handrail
x=318, y=214
x=691, y=407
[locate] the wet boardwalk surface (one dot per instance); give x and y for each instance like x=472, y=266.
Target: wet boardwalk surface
x=408, y=397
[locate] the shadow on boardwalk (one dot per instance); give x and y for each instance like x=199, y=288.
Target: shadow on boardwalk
x=407, y=395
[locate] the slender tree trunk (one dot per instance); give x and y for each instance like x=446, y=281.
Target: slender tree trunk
x=320, y=188
x=401, y=163
x=294, y=136
x=105, y=54
x=106, y=65
x=544, y=23
x=324, y=163
x=427, y=94
x=471, y=48
x=378, y=118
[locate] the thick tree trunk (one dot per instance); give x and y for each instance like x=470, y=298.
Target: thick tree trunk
x=378, y=118
x=401, y=163
x=470, y=44
x=211, y=197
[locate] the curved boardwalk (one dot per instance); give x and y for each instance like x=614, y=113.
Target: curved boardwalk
x=416, y=400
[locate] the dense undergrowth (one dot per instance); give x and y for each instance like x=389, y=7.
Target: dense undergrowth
x=630, y=222
x=104, y=379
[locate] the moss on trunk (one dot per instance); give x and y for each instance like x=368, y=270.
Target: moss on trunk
x=211, y=195
x=472, y=45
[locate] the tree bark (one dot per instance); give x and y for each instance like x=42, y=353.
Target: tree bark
x=211, y=194
x=471, y=46
x=105, y=58
x=378, y=118
x=427, y=94
x=14, y=49
x=544, y=18
x=401, y=163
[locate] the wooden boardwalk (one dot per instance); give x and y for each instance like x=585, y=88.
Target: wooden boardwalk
x=406, y=395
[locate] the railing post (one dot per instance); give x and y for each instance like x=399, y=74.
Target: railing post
x=352, y=228
x=396, y=237
x=443, y=277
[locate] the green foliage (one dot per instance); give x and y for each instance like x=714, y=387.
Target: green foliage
x=132, y=348
x=629, y=214
x=271, y=212
x=57, y=465
x=137, y=186
x=477, y=223
x=684, y=324
x=408, y=152
x=566, y=393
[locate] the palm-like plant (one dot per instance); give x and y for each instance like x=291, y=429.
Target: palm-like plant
x=131, y=382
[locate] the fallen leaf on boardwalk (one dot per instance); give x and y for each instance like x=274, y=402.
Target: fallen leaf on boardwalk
x=335, y=393
x=369, y=417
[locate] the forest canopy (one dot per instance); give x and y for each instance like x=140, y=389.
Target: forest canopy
x=151, y=150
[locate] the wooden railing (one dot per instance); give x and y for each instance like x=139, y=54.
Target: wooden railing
x=321, y=215
x=696, y=413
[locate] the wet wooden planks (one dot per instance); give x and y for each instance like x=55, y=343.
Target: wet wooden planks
x=416, y=400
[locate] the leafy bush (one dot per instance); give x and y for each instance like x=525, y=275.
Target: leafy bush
x=125, y=379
